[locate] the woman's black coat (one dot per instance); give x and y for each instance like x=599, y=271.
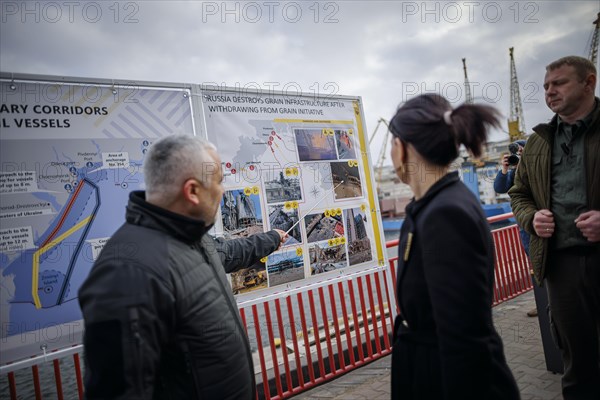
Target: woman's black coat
x=445, y=344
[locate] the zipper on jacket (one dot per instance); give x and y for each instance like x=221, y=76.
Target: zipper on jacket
x=236, y=317
x=190, y=367
x=134, y=327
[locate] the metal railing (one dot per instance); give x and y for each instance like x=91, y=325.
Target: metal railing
x=311, y=336
x=512, y=269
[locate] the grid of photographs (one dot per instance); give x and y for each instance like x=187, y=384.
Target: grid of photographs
x=335, y=238
x=359, y=244
x=285, y=266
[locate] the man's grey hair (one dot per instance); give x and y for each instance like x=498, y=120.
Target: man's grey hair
x=174, y=159
x=583, y=66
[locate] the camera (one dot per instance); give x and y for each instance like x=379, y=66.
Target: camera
x=513, y=158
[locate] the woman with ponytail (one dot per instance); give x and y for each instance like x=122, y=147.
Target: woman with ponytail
x=445, y=343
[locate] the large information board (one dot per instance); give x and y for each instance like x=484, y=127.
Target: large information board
x=299, y=164
x=70, y=155
x=72, y=149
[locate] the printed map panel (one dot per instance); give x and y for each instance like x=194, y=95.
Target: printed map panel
x=63, y=192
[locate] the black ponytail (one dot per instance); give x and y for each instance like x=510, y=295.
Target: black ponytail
x=430, y=125
x=470, y=123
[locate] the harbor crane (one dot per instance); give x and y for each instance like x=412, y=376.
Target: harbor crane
x=593, y=52
x=381, y=158
x=468, y=95
x=478, y=162
x=516, y=122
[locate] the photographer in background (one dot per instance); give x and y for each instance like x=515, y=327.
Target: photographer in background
x=504, y=181
x=506, y=176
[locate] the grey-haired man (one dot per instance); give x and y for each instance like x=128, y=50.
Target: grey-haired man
x=160, y=318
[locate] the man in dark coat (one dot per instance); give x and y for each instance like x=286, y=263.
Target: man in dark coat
x=160, y=318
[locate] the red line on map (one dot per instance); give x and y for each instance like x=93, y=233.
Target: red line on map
x=62, y=219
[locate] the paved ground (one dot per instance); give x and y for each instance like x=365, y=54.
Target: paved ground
x=523, y=349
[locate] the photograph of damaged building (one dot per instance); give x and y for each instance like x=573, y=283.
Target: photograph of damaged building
x=280, y=188
x=249, y=279
x=284, y=219
x=314, y=145
x=241, y=214
x=351, y=186
x=359, y=244
x=321, y=227
x=345, y=145
x=324, y=258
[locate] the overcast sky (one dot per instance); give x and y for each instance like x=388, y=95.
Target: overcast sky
x=383, y=51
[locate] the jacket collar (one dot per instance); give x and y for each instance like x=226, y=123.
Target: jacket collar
x=412, y=210
x=547, y=130
x=415, y=206
x=140, y=212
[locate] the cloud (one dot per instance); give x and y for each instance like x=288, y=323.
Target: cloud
x=382, y=51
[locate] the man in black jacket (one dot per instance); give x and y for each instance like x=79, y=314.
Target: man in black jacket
x=160, y=318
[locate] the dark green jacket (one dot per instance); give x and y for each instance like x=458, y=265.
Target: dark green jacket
x=531, y=190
